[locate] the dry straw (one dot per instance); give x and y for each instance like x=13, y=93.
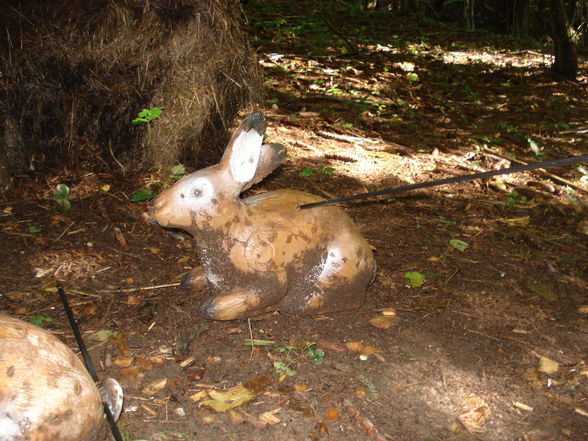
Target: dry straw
x=75, y=73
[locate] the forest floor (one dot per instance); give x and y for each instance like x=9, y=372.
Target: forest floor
x=481, y=296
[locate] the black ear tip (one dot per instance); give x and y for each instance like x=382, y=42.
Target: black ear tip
x=255, y=121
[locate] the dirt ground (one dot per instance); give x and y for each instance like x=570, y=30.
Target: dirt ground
x=491, y=346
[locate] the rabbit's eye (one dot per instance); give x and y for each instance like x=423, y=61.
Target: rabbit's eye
x=197, y=192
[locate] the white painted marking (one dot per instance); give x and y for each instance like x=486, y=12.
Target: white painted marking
x=9, y=430
x=332, y=264
x=245, y=156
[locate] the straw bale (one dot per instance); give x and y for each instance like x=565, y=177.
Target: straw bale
x=76, y=72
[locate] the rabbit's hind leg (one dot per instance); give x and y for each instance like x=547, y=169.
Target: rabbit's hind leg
x=338, y=283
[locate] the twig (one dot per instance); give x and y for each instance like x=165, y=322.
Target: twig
x=546, y=173
x=18, y=234
x=346, y=138
x=309, y=147
x=135, y=256
x=365, y=423
x=483, y=335
x=143, y=288
x=65, y=231
x=452, y=276
x=85, y=293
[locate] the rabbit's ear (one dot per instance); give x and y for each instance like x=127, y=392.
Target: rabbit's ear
x=243, y=152
x=272, y=155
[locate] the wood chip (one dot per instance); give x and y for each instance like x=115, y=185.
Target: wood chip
x=522, y=406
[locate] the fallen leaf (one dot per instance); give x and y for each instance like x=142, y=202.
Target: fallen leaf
x=149, y=362
x=516, y=221
x=368, y=350
x=532, y=375
x=88, y=310
x=354, y=346
x=133, y=300
x=49, y=287
x=329, y=346
x=270, y=417
x=332, y=413
x=301, y=406
x=459, y=245
x=473, y=419
x=258, y=384
x=199, y=395
x=232, y=331
x=221, y=401
x=195, y=374
x=547, y=365
x=120, y=238
x=123, y=362
x=103, y=335
x=583, y=309
x=235, y=417
x=301, y=388
x=542, y=290
x=208, y=419
x=382, y=322
x=154, y=387
x=183, y=259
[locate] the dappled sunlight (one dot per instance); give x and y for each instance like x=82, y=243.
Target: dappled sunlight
x=523, y=58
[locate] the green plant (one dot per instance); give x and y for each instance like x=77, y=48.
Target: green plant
x=584, y=177
x=459, y=245
x=142, y=195
x=414, y=279
x=61, y=196
x=327, y=171
x=177, y=172
x=292, y=354
x=38, y=320
x=316, y=355
x=145, y=116
x=514, y=197
x=282, y=368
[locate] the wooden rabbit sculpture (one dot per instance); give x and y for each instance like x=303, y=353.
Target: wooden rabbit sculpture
x=263, y=253
x=46, y=394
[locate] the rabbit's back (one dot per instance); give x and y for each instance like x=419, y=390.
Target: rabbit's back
x=281, y=234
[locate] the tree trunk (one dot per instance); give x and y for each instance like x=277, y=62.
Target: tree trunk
x=580, y=21
x=468, y=13
x=566, y=53
x=520, y=17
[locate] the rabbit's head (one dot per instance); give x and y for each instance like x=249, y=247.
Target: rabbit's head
x=209, y=195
